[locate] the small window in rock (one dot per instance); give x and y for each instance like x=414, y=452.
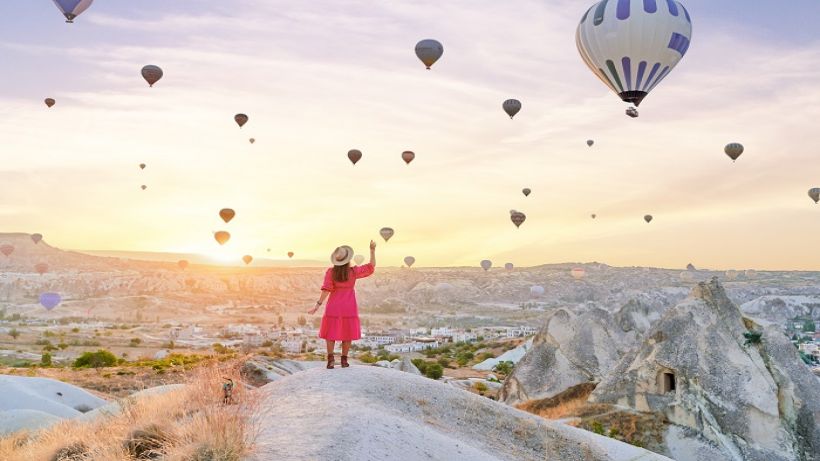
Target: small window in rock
x=668, y=383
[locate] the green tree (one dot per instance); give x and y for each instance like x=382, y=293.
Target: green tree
x=434, y=371
x=421, y=364
x=14, y=333
x=809, y=326
x=134, y=342
x=504, y=368
x=45, y=359
x=62, y=346
x=101, y=358
x=444, y=362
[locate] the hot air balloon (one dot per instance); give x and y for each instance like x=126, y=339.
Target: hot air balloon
x=386, y=233
x=594, y=215
x=290, y=254
x=518, y=218
x=252, y=140
x=508, y=266
x=536, y=291
x=183, y=264
x=247, y=259
x=50, y=102
x=240, y=119
x=590, y=142
x=50, y=300
x=142, y=166
x=511, y=107
x=358, y=259
x=733, y=150
x=732, y=274
x=631, y=45
x=354, y=155
x=409, y=260
x=227, y=214
x=268, y=250
x=222, y=237
x=429, y=51
x=36, y=238
x=648, y=218
x=486, y=264
x=408, y=156
x=632, y=112
x=814, y=193
x=526, y=191
x=143, y=187
x=578, y=273
x=72, y=8
x=41, y=268
x=7, y=249
x=151, y=74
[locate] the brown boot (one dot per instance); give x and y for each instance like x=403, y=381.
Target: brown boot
x=344, y=362
x=330, y=362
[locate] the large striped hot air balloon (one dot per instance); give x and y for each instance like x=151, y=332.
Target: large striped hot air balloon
x=72, y=8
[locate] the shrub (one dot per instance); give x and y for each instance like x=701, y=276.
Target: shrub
x=220, y=349
x=134, y=342
x=99, y=359
x=62, y=346
x=480, y=387
x=444, y=362
x=14, y=333
x=267, y=343
x=367, y=357
x=434, y=371
x=504, y=368
x=45, y=359
x=75, y=330
x=421, y=364
x=597, y=427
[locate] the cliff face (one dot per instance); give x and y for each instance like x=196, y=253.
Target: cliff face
x=722, y=397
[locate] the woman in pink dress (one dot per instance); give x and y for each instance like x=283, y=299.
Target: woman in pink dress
x=341, y=319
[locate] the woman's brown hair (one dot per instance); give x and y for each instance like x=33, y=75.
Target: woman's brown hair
x=341, y=273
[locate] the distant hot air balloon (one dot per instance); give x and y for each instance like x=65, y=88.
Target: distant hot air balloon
x=222, y=237
x=648, y=218
x=386, y=233
x=6, y=249
x=142, y=166
x=511, y=107
x=50, y=300
x=594, y=215
x=290, y=254
x=227, y=214
x=50, y=102
x=183, y=264
x=429, y=51
x=508, y=266
x=252, y=140
x=358, y=259
x=41, y=268
x=354, y=155
x=631, y=45
x=590, y=142
x=151, y=74
x=518, y=218
x=732, y=274
x=578, y=273
x=72, y=8
x=526, y=191
x=36, y=238
x=486, y=264
x=733, y=150
x=408, y=156
x=240, y=119
x=409, y=260
x=536, y=291
x=268, y=250
x=247, y=259
x=143, y=187
x=814, y=193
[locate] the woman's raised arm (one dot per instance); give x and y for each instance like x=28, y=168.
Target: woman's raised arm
x=373, y=253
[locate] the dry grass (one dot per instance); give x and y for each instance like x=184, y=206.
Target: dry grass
x=189, y=424
x=567, y=404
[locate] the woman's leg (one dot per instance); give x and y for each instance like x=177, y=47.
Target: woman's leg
x=345, y=348
x=330, y=346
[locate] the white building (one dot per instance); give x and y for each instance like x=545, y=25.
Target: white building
x=443, y=331
x=464, y=337
x=411, y=347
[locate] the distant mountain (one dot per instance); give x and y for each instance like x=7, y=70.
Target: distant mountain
x=194, y=258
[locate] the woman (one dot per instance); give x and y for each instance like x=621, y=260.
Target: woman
x=341, y=319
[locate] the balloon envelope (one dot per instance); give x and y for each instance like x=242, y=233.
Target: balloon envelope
x=183, y=264
x=578, y=273
x=41, y=268
x=151, y=74
x=814, y=193
x=290, y=254
x=143, y=187
x=518, y=218
x=536, y=291
x=50, y=102
x=72, y=8
x=7, y=249
x=429, y=51
x=648, y=218
x=36, y=238
x=50, y=300
x=631, y=45
x=408, y=156
x=222, y=237
x=733, y=150
x=252, y=140
x=240, y=119
x=142, y=166
x=409, y=260
x=386, y=233
x=354, y=155
x=508, y=266
x=590, y=142
x=358, y=259
x=511, y=107
x=486, y=264
x=526, y=191
x=594, y=215
x=227, y=214
x=247, y=259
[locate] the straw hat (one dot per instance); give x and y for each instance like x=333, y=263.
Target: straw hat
x=341, y=255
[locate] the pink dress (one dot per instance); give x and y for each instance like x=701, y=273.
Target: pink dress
x=341, y=319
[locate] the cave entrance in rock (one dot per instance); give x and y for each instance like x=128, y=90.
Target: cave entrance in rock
x=667, y=382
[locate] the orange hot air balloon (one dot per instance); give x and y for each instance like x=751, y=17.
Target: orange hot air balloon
x=41, y=268
x=240, y=119
x=408, y=156
x=290, y=254
x=7, y=249
x=247, y=259
x=50, y=102
x=578, y=273
x=227, y=214
x=143, y=187
x=142, y=166
x=36, y=238
x=183, y=264
x=354, y=155
x=222, y=237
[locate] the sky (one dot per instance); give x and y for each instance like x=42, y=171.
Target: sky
x=319, y=78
